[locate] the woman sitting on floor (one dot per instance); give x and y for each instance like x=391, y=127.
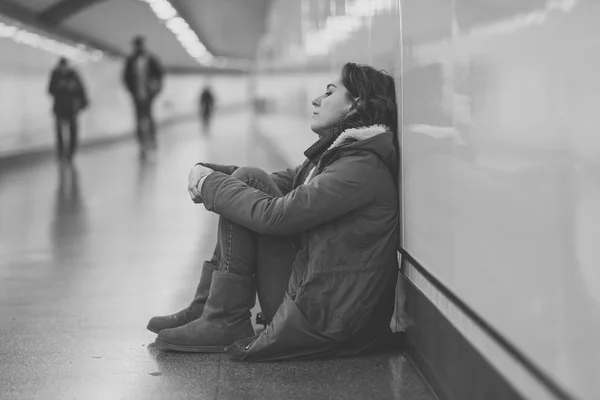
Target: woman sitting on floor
x=317, y=242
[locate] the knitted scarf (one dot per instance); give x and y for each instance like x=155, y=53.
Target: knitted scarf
x=316, y=150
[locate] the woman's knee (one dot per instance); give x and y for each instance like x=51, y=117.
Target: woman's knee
x=249, y=173
x=258, y=179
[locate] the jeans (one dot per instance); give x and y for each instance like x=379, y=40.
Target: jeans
x=241, y=251
x=71, y=121
x=145, y=127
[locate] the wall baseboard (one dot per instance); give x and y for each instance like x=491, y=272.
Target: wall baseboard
x=454, y=369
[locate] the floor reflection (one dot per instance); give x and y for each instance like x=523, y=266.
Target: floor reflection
x=183, y=374
x=146, y=179
x=69, y=224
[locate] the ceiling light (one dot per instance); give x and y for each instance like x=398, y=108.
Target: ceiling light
x=165, y=11
x=20, y=34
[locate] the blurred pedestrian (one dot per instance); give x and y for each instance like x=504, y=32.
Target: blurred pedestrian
x=69, y=99
x=143, y=78
x=207, y=103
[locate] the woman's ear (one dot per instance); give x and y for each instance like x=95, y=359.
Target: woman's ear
x=356, y=104
x=351, y=111
x=359, y=103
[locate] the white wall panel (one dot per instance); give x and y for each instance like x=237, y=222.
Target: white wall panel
x=501, y=154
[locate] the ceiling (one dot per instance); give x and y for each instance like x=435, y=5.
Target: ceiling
x=235, y=28
x=228, y=28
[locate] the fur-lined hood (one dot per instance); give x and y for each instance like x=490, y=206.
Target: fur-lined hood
x=356, y=134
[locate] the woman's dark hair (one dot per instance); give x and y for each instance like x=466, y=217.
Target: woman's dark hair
x=374, y=99
x=374, y=96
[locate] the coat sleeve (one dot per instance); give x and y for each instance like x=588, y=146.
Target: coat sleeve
x=160, y=69
x=347, y=184
x=82, y=92
x=126, y=75
x=158, y=72
x=225, y=169
x=52, y=84
x=285, y=179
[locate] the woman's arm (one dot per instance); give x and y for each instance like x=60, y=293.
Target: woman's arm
x=199, y=173
x=285, y=179
x=225, y=169
x=344, y=186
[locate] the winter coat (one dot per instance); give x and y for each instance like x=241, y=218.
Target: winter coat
x=154, y=75
x=341, y=293
x=68, y=92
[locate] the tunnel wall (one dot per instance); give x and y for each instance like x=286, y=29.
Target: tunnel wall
x=26, y=119
x=500, y=153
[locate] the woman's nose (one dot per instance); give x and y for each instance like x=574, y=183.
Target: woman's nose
x=316, y=102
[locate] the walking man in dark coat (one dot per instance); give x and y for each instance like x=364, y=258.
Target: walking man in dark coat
x=143, y=77
x=69, y=98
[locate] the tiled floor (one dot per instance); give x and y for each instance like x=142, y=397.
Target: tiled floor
x=89, y=254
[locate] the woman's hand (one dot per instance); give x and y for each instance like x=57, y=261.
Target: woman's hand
x=196, y=174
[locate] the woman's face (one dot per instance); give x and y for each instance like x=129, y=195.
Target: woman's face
x=330, y=107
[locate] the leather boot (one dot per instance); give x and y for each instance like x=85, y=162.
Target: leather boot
x=190, y=313
x=226, y=318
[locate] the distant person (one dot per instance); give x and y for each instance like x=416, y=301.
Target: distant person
x=69, y=99
x=143, y=77
x=207, y=103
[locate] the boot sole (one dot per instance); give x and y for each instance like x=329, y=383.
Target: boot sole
x=190, y=349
